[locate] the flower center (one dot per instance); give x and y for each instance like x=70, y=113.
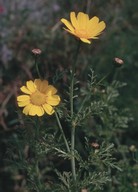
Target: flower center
x=38, y=98
x=82, y=33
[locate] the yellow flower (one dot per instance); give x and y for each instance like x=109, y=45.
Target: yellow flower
x=39, y=98
x=83, y=27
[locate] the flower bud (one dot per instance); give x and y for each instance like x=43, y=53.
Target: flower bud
x=36, y=51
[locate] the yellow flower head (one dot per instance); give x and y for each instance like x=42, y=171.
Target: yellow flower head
x=83, y=27
x=39, y=98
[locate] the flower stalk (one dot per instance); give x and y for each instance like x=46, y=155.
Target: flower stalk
x=73, y=167
x=37, y=135
x=37, y=68
x=62, y=132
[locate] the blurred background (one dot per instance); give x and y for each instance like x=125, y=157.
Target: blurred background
x=25, y=25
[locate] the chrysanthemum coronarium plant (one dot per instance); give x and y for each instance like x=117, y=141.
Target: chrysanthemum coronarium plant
x=63, y=147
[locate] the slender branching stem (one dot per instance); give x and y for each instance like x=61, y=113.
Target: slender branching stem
x=62, y=132
x=72, y=78
x=73, y=167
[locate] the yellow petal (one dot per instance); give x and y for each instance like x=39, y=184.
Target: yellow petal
x=92, y=25
x=93, y=21
x=25, y=90
x=53, y=100
x=85, y=40
x=74, y=20
x=37, y=82
x=36, y=110
x=73, y=33
x=83, y=20
x=48, y=109
x=33, y=110
x=93, y=37
x=40, y=111
x=23, y=103
x=68, y=24
x=27, y=109
x=50, y=90
x=43, y=86
x=101, y=26
x=23, y=98
x=31, y=86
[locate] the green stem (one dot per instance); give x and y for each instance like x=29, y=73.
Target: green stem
x=37, y=135
x=98, y=83
x=37, y=132
x=38, y=173
x=81, y=108
x=73, y=167
x=36, y=66
x=72, y=78
x=62, y=132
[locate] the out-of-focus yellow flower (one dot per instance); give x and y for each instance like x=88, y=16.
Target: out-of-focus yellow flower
x=39, y=98
x=83, y=27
